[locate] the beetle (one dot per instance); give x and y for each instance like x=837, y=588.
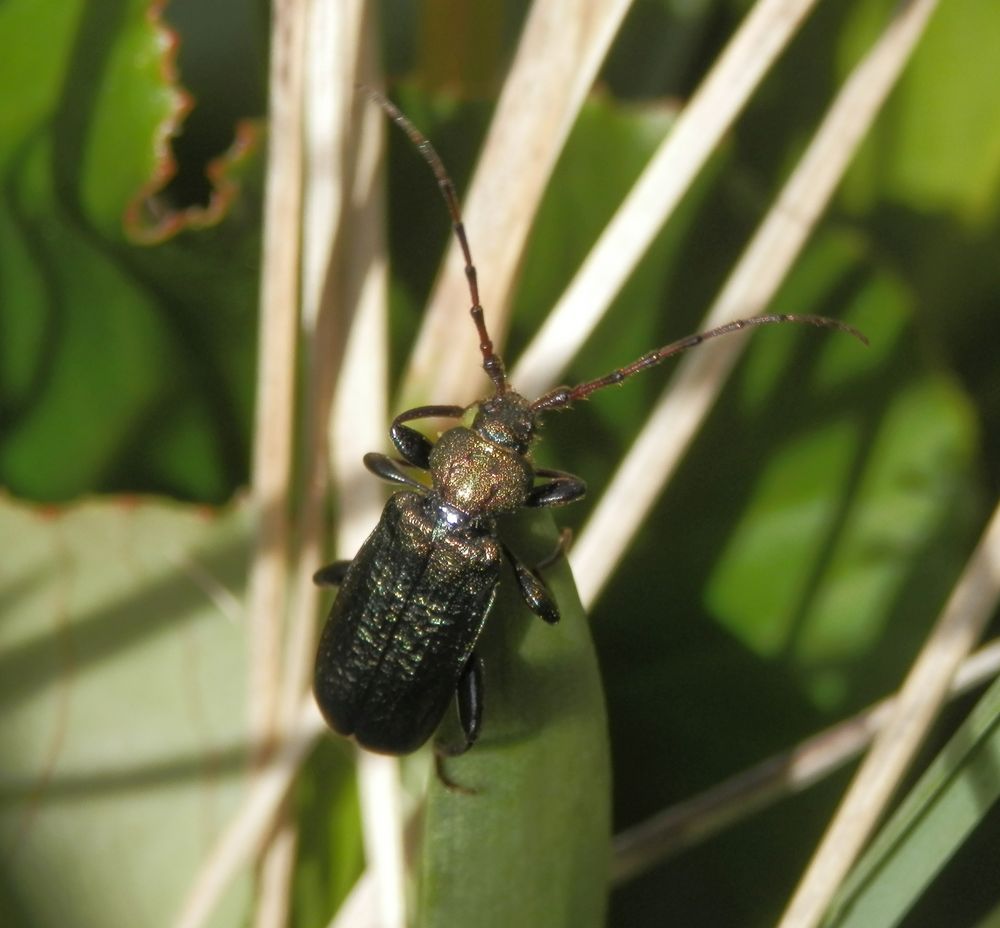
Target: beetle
x=399, y=643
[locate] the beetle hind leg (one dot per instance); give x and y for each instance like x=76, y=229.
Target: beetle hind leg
x=469, y=697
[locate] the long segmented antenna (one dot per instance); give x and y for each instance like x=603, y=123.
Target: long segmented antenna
x=492, y=363
x=562, y=397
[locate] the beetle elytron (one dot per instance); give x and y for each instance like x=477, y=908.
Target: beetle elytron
x=400, y=640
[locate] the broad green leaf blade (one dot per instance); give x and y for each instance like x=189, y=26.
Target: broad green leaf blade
x=939, y=149
x=111, y=348
x=940, y=812
x=122, y=728
x=530, y=845
x=824, y=547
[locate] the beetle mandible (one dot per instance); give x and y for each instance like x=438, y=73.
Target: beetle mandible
x=399, y=642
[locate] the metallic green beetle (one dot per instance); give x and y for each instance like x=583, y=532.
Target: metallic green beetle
x=399, y=643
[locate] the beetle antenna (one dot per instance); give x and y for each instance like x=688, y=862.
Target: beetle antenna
x=491, y=360
x=563, y=397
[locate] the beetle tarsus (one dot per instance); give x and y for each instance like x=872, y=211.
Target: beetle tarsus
x=562, y=548
x=441, y=754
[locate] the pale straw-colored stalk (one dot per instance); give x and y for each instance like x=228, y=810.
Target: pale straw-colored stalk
x=561, y=48
x=960, y=625
x=271, y=467
x=274, y=422
x=360, y=907
x=785, y=774
x=243, y=839
x=706, y=117
x=778, y=241
x=342, y=255
x=322, y=175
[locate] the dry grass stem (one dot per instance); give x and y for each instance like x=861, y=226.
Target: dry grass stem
x=274, y=419
x=357, y=425
x=343, y=264
x=334, y=34
x=960, y=625
x=763, y=266
x=360, y=908
x=244, y=836
x=382, y=822
x=562, y=45
x=699, y=818
x=761, y=37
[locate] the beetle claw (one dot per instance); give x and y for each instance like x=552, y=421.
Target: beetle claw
x=441, y=753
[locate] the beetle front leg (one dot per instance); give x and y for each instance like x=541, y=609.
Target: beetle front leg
x=387, y=468
x=563, y=488
x=413, y=446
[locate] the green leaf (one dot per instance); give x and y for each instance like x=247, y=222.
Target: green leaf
x=329, y=852
x=937, y=816
x=824, y=547
x=122, y=730
x=529, y=844
x=111, y=349
x=938, y=148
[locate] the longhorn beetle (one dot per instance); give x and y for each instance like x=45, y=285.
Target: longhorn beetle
x=400, y=639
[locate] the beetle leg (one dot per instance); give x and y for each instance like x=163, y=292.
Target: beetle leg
x=440, y=756
x=413, y=446
x=533, y=590
x=563, y=488
x=387, y=468
x=469, y=696
x=561, y=548
x=331, y=575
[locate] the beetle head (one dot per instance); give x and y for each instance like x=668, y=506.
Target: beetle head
x=507, y=419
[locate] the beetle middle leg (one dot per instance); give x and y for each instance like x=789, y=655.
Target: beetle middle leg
x=534, y=592
x=331, y=575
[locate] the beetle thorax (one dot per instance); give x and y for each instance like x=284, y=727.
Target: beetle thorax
x=478, y=476
x=483, y=469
